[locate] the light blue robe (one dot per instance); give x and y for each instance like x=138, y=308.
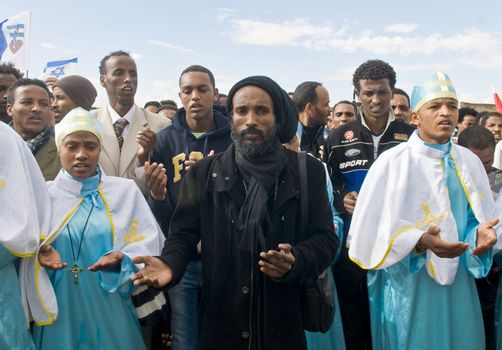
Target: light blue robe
x=498, y=307
x=333, y=338
x=14, y=333
x=409, y=310
x=98, y=312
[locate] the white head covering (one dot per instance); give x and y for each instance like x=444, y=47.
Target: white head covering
x=438, y=86
x=78, y=119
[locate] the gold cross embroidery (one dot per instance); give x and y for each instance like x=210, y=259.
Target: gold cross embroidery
x=2, y=183
x=429, y=218
x=133, y=235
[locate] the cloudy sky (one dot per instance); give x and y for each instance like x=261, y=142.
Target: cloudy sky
x=290, y=41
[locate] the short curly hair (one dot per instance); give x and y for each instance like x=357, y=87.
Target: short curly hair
x=102, y=63
x=374, y=70
x=24, y=82
x=462, y=112
x=10, y=69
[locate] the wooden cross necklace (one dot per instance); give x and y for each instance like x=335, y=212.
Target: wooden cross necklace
x=75, y=269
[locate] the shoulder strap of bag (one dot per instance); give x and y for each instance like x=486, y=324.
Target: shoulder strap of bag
x=302, y=172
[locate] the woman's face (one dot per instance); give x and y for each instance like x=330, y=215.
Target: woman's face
x=79, y=154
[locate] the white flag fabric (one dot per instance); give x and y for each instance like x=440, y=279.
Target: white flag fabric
x=61, y=68
x=14, y=40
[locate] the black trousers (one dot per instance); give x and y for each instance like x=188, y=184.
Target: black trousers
x=487, y=290
x=352, y=289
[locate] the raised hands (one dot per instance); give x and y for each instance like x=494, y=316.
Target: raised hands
x=146, y=140
x=155, y=273
x=107, y=262
x=486, y=237
x=50, y=258
x=156, y=180
x=431, y=240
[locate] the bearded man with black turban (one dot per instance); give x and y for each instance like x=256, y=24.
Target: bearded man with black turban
x=244, y=206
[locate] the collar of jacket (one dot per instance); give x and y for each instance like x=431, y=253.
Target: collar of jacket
x=223, y=175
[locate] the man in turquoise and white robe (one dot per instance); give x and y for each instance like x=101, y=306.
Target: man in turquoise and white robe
x=24, y=216
x=423, y=224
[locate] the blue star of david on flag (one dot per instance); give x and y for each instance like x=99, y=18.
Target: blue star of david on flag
x=59, y=69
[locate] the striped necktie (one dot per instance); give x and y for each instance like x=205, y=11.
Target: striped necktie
x=119, y=127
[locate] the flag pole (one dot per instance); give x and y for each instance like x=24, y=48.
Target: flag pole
x=28, y=49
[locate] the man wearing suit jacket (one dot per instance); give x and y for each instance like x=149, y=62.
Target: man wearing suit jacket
x=129, y=131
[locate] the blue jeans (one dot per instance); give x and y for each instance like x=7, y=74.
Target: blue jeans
x=184, y=317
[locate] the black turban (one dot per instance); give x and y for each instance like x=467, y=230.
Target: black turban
x=286, y=114
x=79, y=89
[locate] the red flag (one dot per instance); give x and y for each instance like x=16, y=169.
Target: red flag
x=498, y=102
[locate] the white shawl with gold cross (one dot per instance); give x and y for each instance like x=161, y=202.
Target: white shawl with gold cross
x=404, y=193
x=135, y=231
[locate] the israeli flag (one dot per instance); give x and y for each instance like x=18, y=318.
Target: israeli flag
x=59, y=69
x=14, y=40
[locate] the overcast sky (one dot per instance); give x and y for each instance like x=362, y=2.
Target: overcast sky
x=290, y=41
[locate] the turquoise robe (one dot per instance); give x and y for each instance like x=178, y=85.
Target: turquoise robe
x=498, y=307
x=333, y=339
x=409, y=310
x=98, y=312
x=14, y=332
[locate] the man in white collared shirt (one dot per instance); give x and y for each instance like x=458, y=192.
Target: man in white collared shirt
x=129, y=130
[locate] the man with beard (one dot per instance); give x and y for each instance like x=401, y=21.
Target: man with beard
x=198, y=130
x=71, y=92
x=243, y=206
x=312, y=101
x=29, y=107
x=349, y=152
x=129, y=130
x=8, y=75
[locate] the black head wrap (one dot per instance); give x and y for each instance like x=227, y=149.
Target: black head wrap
x=286, y=114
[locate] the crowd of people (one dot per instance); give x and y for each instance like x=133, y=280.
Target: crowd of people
x=198, y=227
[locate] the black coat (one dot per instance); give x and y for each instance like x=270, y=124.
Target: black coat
x=238, y=301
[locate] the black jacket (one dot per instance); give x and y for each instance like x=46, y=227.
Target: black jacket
x=237, y=299
x=174, y=145
x=349, y=154
x=312, y=138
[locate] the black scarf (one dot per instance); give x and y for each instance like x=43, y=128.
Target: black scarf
x=260, y=175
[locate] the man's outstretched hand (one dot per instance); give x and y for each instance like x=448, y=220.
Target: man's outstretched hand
x=50, y=258
x=432, y=240
x=155, y=273
x=486, y=237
